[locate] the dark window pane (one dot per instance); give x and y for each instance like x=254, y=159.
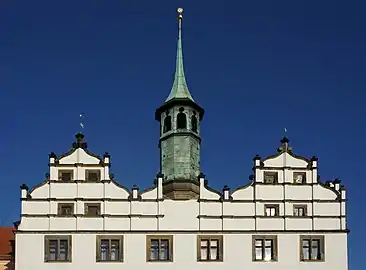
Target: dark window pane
x=92, y=176
x=167, y=123
x=315, y=250
x=52, y=250
x=66, y=176
x=181, y=121
x=154, y=250
x=104, y=250
x=66, y=210
x=164, y=250
x=194, y=123
x=63, y=250
x=306, y=249
x=114, y=250
x=93, y=210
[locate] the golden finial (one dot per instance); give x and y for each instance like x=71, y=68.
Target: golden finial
x=180, y=13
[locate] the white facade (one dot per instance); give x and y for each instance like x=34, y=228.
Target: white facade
x=273, y=207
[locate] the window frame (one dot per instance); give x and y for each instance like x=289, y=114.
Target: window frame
x=48, y=238
x=86, y=210
x=275, y=206
x=99, y=240
x=150, y=238
x=294, y=174
x=263, y=238
x=300, y=206
x=194, y=123
x=167, y=123
x=209, y=238
x=87, y=171
x=270, y=173
x=321, y=247
x=181, y=119
x=59, y=207
x=60, y=172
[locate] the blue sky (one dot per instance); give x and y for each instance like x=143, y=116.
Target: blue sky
x=255, y=66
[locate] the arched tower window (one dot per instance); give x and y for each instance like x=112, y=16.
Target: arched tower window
x=167, y=123
x=181, y=119
x=194, y=122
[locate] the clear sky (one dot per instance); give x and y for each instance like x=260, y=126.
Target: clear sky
x=255, y=66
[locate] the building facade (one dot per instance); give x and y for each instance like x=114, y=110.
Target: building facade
x=6, y=248
x=81, y=217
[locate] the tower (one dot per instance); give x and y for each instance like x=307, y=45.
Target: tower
x=180, y=139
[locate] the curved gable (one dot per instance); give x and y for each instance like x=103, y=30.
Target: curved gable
x=150, y=193
x=324, y=192
x=39, y=191
x=115, y=190
x=286, y=159
x=208, y=193
x=79, y=155
x=243, y=192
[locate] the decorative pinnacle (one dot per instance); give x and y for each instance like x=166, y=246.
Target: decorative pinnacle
x=180, y=13
x=179, y=89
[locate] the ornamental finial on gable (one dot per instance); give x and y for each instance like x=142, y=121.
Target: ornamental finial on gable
x=284, y=147
x=80, y=142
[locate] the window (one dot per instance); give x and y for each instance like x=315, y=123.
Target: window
x=57, y=248
x=159, y=248
x=265, y=248
x=300, y=210
x=209, y=248
x=181, y=119
x=65, y=209
x=194, y=123
x=270, y=177
x=299, y=177
x=167, y=123
x=271, y=210
x=109, y=248
x=92, y=175
x=312, y=248
x=65, y=175
x=92, y=209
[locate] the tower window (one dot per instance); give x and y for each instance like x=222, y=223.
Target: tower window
x=167, y=123
x=194, y=123
x=181, y=119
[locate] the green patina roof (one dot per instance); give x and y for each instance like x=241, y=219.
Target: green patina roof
x=180, y=88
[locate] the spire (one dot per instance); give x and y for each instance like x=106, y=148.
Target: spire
x=179, y=89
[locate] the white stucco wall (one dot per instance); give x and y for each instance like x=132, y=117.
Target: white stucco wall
x=237, y=215
x=237, y=253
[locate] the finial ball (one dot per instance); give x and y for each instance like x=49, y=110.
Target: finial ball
x=180, y=10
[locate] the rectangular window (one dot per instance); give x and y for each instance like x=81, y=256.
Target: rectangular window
x=92, y=175
x=109, y=248
x=58, y=248
x=159, y=248
x=209, y=248
x=270, y=178
x=265, y=248
x=272, y=210
x=300, y=210
x=65, y=175
x=299, y=177
x=65, y=209
x=312, y=248
x=92, y=209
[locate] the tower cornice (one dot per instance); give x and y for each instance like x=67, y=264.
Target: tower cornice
x=176, y=102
